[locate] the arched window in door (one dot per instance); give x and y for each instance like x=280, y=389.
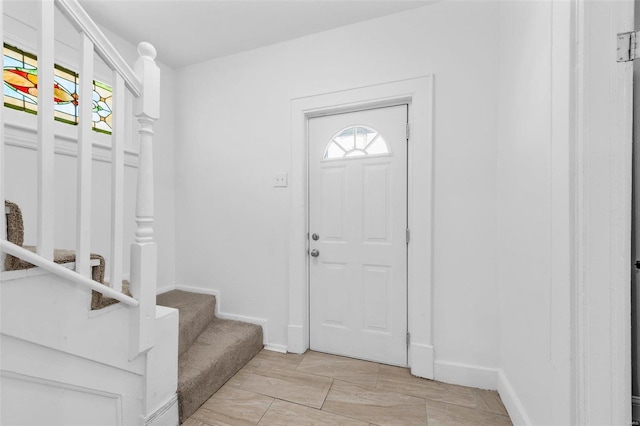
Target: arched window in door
x=356, y=141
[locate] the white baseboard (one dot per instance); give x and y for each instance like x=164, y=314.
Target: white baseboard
x=200, y=290
x=421, y=359
x=295, y=339
x=466, y=375
x=276, y=348
x=166, y=415
x=263, y=322
x=512, y=403
x=251, y=320
x=165, y=289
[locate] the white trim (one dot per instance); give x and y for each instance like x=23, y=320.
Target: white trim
x=602, y=117
x=263, y=322
x=103, y=47
x=24, y=136
x=295, y=338
x=276, y=348
x=421, y=360
x=116, y=398
x=166, y=415
x=466, y=375
x=512, y=403
x=200, y=290
x=169, y=287
x=418, y=93
x=59, y=384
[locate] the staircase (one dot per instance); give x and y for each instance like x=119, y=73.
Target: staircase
x=81, y=350
x=210, y=350
x=112, y=365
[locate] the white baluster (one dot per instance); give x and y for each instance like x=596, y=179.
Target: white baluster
x=45, y=131
x=84, y=185
x=144, y=250
x=147, y=108
x=3, y=217
x=144, y=200
x=117, y=180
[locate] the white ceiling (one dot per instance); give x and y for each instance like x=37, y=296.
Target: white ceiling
x=189, y=31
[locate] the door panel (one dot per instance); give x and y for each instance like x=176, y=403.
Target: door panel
x=358, y=207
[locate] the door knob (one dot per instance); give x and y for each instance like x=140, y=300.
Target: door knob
x=315, y=237
x=315, y=253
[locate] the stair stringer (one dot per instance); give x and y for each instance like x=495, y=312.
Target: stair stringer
x=50, y=337
x=47, y=310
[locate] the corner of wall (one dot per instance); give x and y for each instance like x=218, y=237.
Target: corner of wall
x=511, y=401
x=165, y=288
x=263, y=322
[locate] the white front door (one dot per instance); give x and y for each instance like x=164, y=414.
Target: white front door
x=357, y=234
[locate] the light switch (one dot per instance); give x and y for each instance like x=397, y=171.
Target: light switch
x=280, y=180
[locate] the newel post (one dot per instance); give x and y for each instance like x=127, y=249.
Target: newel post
x=144, y=251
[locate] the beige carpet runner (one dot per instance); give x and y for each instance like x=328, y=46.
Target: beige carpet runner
x=210, y=350
x=15, y=235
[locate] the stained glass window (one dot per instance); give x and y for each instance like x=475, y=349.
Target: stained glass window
x=20, y=80
x=355, y=141
x=65, y=95
x=21, y=90
x=102, y=98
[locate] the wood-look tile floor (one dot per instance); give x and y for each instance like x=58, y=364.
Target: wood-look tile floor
x=322, y=389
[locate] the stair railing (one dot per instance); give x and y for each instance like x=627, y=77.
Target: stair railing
x=143, y=81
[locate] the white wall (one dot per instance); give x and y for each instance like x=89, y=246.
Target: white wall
x=20, y=173
x=232, y=224
x=534, y=207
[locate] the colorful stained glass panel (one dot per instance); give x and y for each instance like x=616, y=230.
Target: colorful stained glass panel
x=102, y=105
x=20, y=74
x=65, y=95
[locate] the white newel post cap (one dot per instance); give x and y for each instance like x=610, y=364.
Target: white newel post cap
x=146, y=50
x=148, y=105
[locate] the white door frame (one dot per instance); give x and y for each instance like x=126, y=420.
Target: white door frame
x=600, y=116
x=418, y=93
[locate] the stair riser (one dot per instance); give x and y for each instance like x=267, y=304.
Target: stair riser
x=196, y=312
x=225, y=362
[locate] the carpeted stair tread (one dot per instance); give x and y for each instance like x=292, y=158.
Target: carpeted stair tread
x=222, y=349
x=196, y=311
x=15, y=234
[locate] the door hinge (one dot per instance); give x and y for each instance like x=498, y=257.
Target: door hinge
x=408, y=131
x=627, y=49
x=408, y=235
x=408, y=339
